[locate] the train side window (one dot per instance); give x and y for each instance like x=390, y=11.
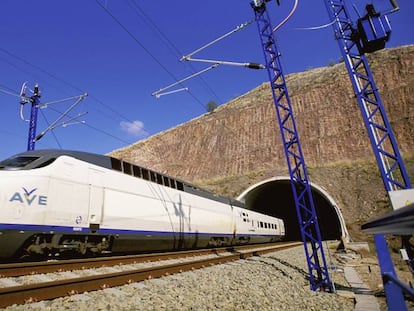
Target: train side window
x=153, y=177
x=145, y=174
x=180, y=186
x=116, y=164
x=275, y=226
x=127, y=168
x=172, y=183
x=159, y=179
x=137, y=171
x=265, y=225
x=261, y=224
x=166, y=181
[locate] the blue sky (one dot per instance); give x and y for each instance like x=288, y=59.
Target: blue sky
x=73, y=47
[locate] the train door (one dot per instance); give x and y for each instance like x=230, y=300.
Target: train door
x=96, y=199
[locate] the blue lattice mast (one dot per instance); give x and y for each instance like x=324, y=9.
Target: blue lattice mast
x=370, y=34
x=34, y=102
x=308, y=222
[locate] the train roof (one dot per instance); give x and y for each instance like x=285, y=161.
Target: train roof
x=40, y=158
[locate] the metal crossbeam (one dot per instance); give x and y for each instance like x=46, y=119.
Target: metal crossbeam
x=308, y=222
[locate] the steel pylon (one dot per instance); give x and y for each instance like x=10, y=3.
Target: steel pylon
x=307, y=217
x=383, y=142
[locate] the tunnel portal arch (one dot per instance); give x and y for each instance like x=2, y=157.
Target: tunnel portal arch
x=274, y=197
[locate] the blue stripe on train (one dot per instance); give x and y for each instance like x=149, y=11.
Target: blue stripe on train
x=85, y=230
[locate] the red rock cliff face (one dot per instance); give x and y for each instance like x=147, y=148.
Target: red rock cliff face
x=242, y=136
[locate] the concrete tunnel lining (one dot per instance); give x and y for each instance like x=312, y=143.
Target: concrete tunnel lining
x=274, y=197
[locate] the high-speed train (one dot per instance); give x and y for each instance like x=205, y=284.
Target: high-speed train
x=57, y=201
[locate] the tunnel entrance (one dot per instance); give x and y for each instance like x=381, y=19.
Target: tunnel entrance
x=274, y=197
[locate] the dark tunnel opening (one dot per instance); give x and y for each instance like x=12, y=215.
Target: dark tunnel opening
x=275, y=198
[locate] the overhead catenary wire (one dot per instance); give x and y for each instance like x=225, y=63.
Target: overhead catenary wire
x=55, y=77
x=158, y=93
x=12, y=93
x=53, y=133
x=215, y=63
x=144, y=47
x=168, y=43
x=116, y=111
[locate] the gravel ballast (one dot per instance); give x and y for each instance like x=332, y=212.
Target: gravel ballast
x=276, y=281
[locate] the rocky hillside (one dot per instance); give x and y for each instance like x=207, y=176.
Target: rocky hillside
x=239, y=143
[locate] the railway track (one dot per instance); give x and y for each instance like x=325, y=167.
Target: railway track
x=27, y=268
x=53, y=289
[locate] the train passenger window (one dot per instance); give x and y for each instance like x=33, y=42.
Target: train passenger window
x=166, y=181
x=116, y=164
x=137, y=171
x=265, y=225
x=159, y=179
x=145, y=174
x=180, y=186
x=127, y=168
x=261, y=224
x=153, y=177
x=275, y=226
x=172, y=183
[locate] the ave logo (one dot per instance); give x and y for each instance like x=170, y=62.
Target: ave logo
x=29, y=197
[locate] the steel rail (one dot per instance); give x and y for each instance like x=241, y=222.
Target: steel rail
x=19, y=269
x=26, y=268
x=54, y=289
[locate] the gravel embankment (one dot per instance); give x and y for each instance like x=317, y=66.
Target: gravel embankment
x=277, y=281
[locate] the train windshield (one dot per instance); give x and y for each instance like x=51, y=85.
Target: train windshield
x=17, y=162
x=25, y=162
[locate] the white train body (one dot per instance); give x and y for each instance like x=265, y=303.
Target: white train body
x=53, y=201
